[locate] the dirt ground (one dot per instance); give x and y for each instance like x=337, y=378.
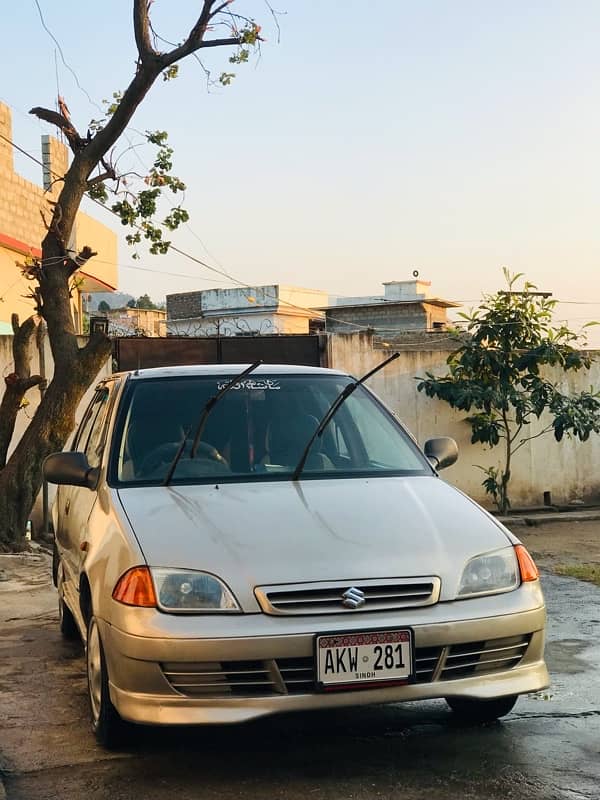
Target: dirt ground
x=546, y=749
x=557, y=544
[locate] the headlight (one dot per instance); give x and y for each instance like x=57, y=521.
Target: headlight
x=183, y=590
x=490, y=573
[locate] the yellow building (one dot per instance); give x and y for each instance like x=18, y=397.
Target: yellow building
x=22, y=230
x=137, y=322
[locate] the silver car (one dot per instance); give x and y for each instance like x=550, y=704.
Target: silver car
x=237, y=541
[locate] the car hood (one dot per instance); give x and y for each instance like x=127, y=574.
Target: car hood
x=253, y=534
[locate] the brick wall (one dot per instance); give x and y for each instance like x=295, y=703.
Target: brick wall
x=22, y=228
x=380, y=316
x=21, y=201
x=184, y=305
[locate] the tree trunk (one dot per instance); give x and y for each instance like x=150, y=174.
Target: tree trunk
x=17, y=382
x=21, y=479
x=504, y=504
x=75, y=368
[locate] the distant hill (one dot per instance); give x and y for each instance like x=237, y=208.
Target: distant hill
x=114, y=299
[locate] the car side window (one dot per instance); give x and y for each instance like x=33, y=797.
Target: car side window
x=83, y=434
x=90, y=438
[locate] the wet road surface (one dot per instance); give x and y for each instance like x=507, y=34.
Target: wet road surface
x=548, y=747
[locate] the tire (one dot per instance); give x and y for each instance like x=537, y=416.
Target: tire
x=55, y=564
x=471, y=710
x=68, y=626
x=108, y=727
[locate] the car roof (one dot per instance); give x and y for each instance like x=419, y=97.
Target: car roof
x=226, y=369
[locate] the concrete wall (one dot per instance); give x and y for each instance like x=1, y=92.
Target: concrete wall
x=103, y=241
x=238, y=325
x=568, y=469
x=249, y=309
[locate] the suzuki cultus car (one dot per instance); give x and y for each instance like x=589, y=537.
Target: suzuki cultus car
x=238, y=541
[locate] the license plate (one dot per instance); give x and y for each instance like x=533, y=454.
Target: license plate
x=358, y=658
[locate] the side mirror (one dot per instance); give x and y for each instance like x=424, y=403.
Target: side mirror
x=442, y=452
x=71, y=469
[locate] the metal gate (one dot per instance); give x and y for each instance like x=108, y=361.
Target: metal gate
x=131, y=352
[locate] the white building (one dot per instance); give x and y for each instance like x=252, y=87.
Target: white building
x=405, y=306
x=248, y=310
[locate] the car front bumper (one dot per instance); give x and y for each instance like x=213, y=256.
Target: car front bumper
x=467, y=648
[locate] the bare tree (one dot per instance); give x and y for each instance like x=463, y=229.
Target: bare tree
x=75, y=367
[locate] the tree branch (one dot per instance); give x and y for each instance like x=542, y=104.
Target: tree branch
x=195, y=40
x=141, y=27
x=220, y=8
x=104, y=176
x=148, y=70
x=80, y=260
x=76, y=142
x=92, y=357
x=187, y=48
x=514, y=437
x=523, y=442
x=29, y=383
x=22, y=334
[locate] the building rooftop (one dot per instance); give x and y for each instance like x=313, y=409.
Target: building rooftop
x=395, y=293
x=380, y=301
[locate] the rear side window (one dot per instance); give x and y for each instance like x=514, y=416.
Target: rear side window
x=90, y=437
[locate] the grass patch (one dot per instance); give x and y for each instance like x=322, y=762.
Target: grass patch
x=584, y=572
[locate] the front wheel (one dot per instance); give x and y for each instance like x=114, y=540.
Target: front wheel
x=472, y=710
x=66, y=620
x=68, y=626
x=110, y=730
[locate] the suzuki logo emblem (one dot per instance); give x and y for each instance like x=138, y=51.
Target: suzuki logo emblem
x=353, y=598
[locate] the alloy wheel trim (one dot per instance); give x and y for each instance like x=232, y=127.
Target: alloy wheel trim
x=59, y=583
x=94, y=670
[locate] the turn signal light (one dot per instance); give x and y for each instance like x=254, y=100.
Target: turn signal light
x=135, y=588
x=527, y=567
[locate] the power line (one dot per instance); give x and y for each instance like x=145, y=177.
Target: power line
x=199, y=261
x=173, y=247
x=62, y=55
x=233, y=279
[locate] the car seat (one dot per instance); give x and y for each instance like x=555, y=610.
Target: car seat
x=285, y=441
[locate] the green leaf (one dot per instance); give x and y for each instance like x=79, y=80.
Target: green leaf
x=498, y=374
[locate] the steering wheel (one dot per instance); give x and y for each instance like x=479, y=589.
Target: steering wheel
x=165, y=453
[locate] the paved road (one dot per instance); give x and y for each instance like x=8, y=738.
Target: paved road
x=549, y=747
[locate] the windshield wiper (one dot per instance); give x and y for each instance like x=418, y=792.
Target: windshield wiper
x=341, y=398
x=208, y=407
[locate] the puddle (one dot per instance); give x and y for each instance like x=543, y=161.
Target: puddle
x=563, y=656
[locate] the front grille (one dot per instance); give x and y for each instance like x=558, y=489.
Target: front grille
x=426, y=660
x=482, y=658
x=298, y=675
x=220, y=679
x=242, y=678
x=328, y=598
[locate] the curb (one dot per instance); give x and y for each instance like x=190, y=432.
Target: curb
x=541, y=519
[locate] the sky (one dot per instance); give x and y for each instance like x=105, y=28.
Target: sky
x=452, y=137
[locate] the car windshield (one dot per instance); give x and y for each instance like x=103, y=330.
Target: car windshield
x=257, y=431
